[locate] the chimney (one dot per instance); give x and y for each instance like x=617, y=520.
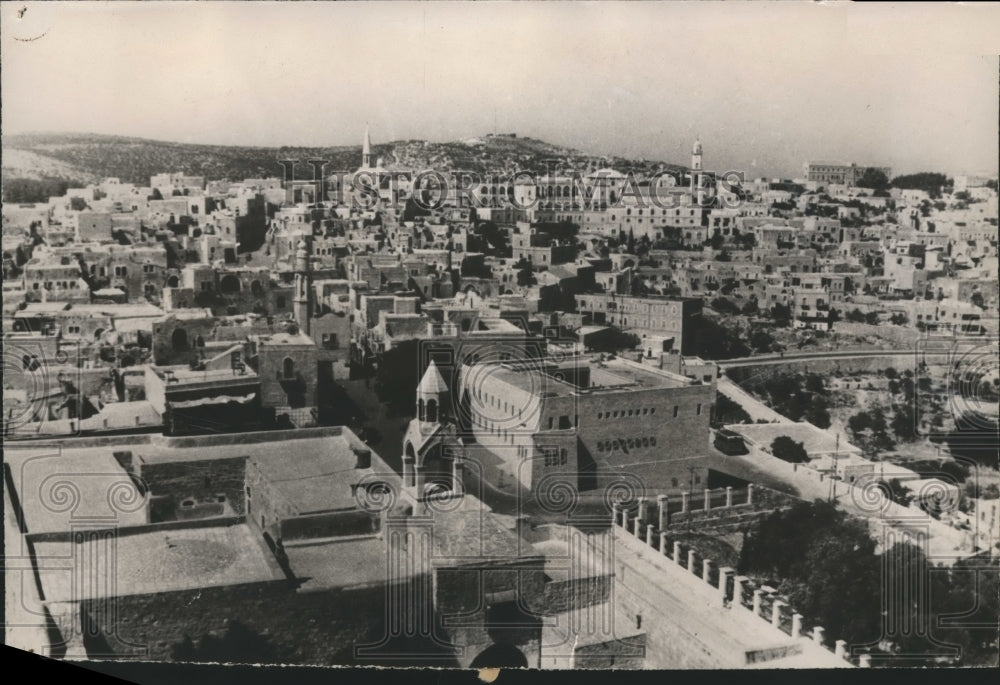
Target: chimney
x=364, y=458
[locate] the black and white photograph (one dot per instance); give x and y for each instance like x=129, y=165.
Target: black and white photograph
x=484, y=336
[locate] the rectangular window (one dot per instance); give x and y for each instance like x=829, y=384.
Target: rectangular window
x=676, y=409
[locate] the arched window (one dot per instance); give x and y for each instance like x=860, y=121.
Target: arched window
x=288, y=368
x=421, y=416
x=432, y=411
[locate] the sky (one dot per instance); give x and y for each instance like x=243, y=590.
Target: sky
x=767, y=86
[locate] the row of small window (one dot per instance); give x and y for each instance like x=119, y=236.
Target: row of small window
x=623, y=413
x=64, y=285
x=630, y=443
x=496, y=402
x=502, y=433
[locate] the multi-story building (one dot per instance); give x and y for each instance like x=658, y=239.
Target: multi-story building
x=673, y=317
x=847, y=174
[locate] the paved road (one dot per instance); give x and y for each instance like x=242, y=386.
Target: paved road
x=811, y=356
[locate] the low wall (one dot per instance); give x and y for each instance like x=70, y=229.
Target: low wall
x=682, y=641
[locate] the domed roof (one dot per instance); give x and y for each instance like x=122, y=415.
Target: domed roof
x=432, y=383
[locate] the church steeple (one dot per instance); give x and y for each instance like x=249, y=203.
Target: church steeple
x=696, y=155
x=366, y=150
x=432, y=396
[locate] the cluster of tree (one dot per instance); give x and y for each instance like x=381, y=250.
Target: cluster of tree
x=725, y=306
x=397, y=376
x=614, y=341
x=727, y=412
x=783, y=447
x=32, y=190
x=713, y=340
x=495, y=237
x=825, y=562
x=563, y=230
x=976, y=437
x=857, y=316
x=873, y=179
x=872, y=429
x=976, y=490
x=799, y=397
x=727, y=340
x=930, y=182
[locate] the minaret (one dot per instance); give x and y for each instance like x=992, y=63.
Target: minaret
x=302, y=302
x=697, y=179
x=366, y=151
x=696, y=156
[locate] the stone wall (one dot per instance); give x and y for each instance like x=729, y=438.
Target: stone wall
x=198, y=479
x=304, y=628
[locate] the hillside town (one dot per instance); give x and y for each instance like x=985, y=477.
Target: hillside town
x=528, y=397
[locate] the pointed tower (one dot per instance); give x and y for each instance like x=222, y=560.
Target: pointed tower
x=302, y=303
x=432, y=399
x=366, y=151
x=696, y=156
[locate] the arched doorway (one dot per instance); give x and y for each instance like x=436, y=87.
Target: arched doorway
x=229, y=285
x=179, y=339
x=500, y=656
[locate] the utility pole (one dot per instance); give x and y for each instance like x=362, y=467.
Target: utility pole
x=833, y=474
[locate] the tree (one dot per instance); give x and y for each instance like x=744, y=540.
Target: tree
x=929, y=182
x=782, y=314
x=856, y=316
x=761, y=340
x=896, y=492
x=712, y=340
x=725, y=306
x=871, y=318
x=615, y=341
x=904, y=421
x=860, y=422
x=525, y=274
x=818, y=412
x=873, y=179
x=746, y=241
x=783, y=447
x=726, y=412
x=898, y=319
x=397, y=377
